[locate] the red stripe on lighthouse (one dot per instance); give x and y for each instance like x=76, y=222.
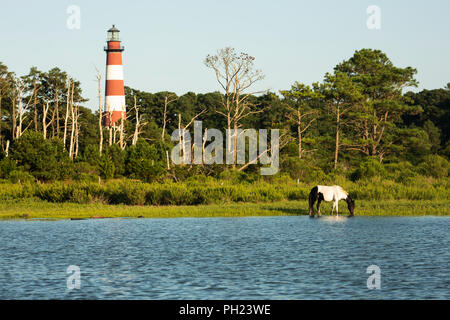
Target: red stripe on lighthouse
x=115, y=88
x=114, y=45
x=114, y=58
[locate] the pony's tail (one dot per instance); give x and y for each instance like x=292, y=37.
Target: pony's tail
x=312, y=199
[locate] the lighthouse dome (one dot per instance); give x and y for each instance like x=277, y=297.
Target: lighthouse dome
x=113, y=34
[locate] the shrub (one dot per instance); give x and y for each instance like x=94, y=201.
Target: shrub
x=117, y=156
x=80, y=196
x=85, y=177
x=401, y=171
x=10, y=191
x=7, y=165
x=367, y=169
x=45, y=159
x=235, y=176
x=18, y=176
x=106, y=167
x=143, y=162
x=55, y=192
x=303, y=170
x=91, y=155
x=435, y=166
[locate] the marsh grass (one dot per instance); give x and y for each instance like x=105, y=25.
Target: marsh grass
x=214, y=198
x=36, y=208
x=132, y=192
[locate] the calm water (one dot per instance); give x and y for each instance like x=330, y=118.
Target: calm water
x=226, y=258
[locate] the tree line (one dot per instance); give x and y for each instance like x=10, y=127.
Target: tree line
x=360, y=119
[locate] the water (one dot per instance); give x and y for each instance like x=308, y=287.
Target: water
x=226, y=258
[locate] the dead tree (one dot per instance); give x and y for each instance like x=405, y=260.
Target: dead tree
x=72, y=131
x=139, y=124
x=69, y=102
x=19, y=111
x=4, y=90
x=122, y=142
x=100, y=111
x=284, y=140
x=7, y=149
x=110, y=124
x=35, y=89
x=181, y=134
x=167, y=100
x=235, y=75
x=77, y=131
x=45, y=125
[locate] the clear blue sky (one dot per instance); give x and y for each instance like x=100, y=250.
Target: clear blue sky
x=167, y=41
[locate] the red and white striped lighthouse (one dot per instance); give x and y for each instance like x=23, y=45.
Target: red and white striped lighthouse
x=114, y=88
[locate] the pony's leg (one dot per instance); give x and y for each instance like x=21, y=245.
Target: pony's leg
x=318, y=207
x=337, y=211
x=311, y=206
x=332, y=210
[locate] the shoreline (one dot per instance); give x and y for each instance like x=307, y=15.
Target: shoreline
x=31, y=209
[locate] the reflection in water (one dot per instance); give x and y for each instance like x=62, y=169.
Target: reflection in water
x=226, y=258
x=334, y=219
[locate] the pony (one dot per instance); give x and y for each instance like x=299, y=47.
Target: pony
x=329, y=193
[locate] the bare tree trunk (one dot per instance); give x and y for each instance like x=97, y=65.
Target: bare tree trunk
x=44, y=119
x=100, y=112
x=336, y=151
x=108, y=109
x=57, y=113
x=22, y=108
x=45, y=125
x=110, y=135
x=181, y=133
x=72, y=132
x=203, y=145
x=167, y=159
x=7, y=149
x=67, y=112
x=20, y=114
x=122, y=129
x=181, y=138
x=35, y=107
x=14, y=117
x=136, y=130
x=167, y=101
x=77, y=130
x=164, y=118
x=114, y=133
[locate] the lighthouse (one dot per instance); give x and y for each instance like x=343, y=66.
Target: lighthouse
x=114, y=87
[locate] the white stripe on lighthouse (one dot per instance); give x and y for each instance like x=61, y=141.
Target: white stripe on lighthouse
x=114, y=72
x=115, y=102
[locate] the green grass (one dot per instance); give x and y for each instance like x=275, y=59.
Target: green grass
x=216, y=198
x=36, y=208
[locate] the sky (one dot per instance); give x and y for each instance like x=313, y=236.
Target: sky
x=166, y=41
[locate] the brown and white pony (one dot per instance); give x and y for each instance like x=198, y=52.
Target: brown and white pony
x=329, y=193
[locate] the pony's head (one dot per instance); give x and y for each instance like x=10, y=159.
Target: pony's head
x=351, y=205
